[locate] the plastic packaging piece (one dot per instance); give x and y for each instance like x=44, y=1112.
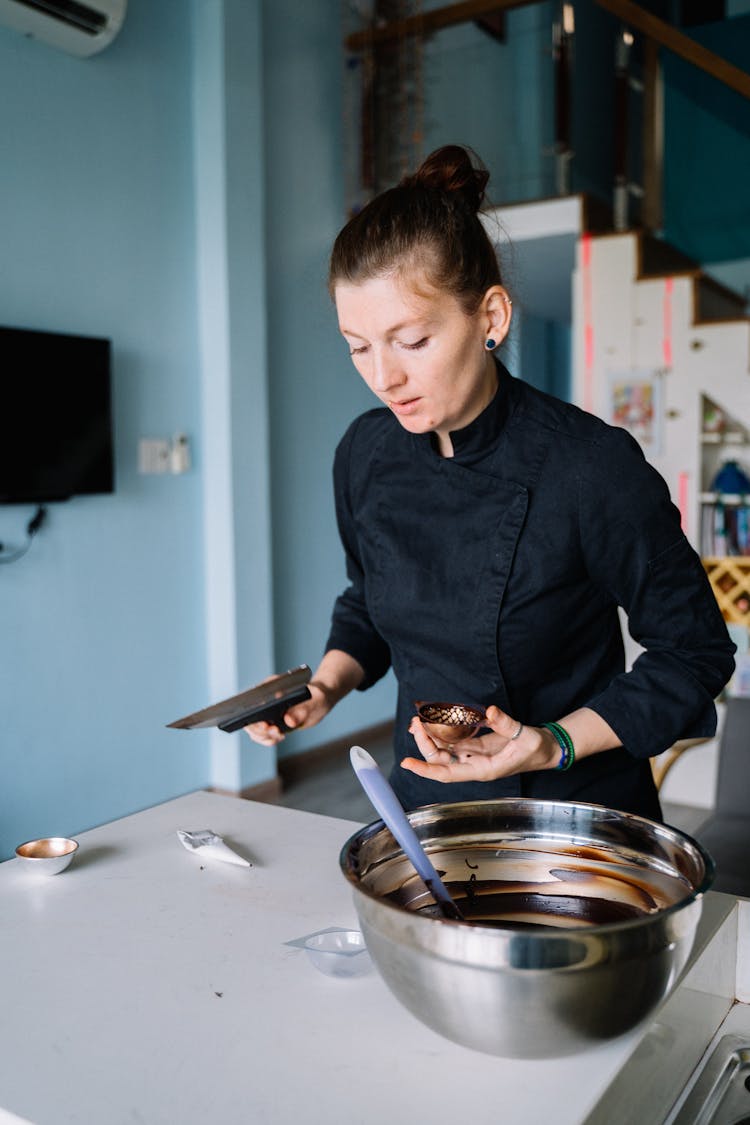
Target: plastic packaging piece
x=207, y=844
x=339, y=953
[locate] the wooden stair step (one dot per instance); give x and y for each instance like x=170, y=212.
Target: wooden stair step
x=713, y=301
x=657, y=258
x=598, y=217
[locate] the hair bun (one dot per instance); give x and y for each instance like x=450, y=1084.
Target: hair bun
x=452, y=170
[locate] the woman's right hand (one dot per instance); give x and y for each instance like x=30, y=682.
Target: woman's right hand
x=336, y=675
x=305, y=714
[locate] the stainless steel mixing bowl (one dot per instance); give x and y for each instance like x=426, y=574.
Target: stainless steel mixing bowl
x=579, y=920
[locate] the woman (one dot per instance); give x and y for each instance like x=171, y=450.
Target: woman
x=491, y=532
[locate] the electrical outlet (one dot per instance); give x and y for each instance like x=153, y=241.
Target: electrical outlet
x=154, y=455
x=180, y=454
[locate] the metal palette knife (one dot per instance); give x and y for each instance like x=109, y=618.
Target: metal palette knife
x=266, y=702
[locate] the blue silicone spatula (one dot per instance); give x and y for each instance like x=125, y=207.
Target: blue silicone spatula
x=391, y=812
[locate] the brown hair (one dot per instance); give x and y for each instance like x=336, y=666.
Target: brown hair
x=430, y=220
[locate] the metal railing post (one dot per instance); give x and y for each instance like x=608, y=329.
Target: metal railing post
x=653, y=138
x=563, y=31
x=620, y=203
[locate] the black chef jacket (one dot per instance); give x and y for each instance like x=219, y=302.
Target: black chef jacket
x=495, y=576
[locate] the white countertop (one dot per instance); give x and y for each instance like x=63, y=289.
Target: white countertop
x=145, y=984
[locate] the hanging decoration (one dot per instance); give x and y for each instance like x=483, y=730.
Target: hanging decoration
x=635, y=404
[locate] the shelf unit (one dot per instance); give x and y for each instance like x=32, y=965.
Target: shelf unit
x=724, y=516
x=724, y=525
x=730, y=578
x=729, y=443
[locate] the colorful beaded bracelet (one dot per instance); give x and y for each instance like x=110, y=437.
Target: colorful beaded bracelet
x=565, y=743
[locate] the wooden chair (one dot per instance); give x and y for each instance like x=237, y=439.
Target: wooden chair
x=661, y=766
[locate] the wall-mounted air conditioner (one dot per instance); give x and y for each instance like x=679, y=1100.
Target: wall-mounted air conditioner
x=80, y=27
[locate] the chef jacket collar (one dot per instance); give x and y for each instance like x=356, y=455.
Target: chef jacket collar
x=477, y=439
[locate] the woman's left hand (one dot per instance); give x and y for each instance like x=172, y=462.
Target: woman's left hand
x=504, y=752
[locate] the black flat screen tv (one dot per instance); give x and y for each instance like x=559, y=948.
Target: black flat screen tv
x=55, y=416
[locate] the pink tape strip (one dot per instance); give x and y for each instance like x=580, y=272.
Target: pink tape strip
x=667, y=321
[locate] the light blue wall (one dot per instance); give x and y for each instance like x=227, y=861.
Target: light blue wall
x=540, y=353
x=313, y=388
x=102, y=623
x=135, y=201
x=495, y=97
x=231, y=276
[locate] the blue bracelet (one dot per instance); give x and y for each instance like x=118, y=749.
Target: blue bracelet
x=565, y=742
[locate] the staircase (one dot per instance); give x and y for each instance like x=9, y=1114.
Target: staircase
x=655, y=340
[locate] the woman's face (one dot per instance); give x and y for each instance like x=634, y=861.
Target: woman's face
x=420, y=352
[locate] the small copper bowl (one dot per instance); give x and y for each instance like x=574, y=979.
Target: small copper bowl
x=49, y=856
x=449, y=722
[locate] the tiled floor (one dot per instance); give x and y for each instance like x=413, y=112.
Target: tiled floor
x=333, y=790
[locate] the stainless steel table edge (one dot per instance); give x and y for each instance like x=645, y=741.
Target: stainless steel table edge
x=663, y=1062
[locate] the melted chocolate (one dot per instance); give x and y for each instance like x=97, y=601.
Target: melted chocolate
x=564, y=889
x=487, y=905
x=528, y=909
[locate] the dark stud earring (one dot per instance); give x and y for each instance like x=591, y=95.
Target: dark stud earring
x=490, y=344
